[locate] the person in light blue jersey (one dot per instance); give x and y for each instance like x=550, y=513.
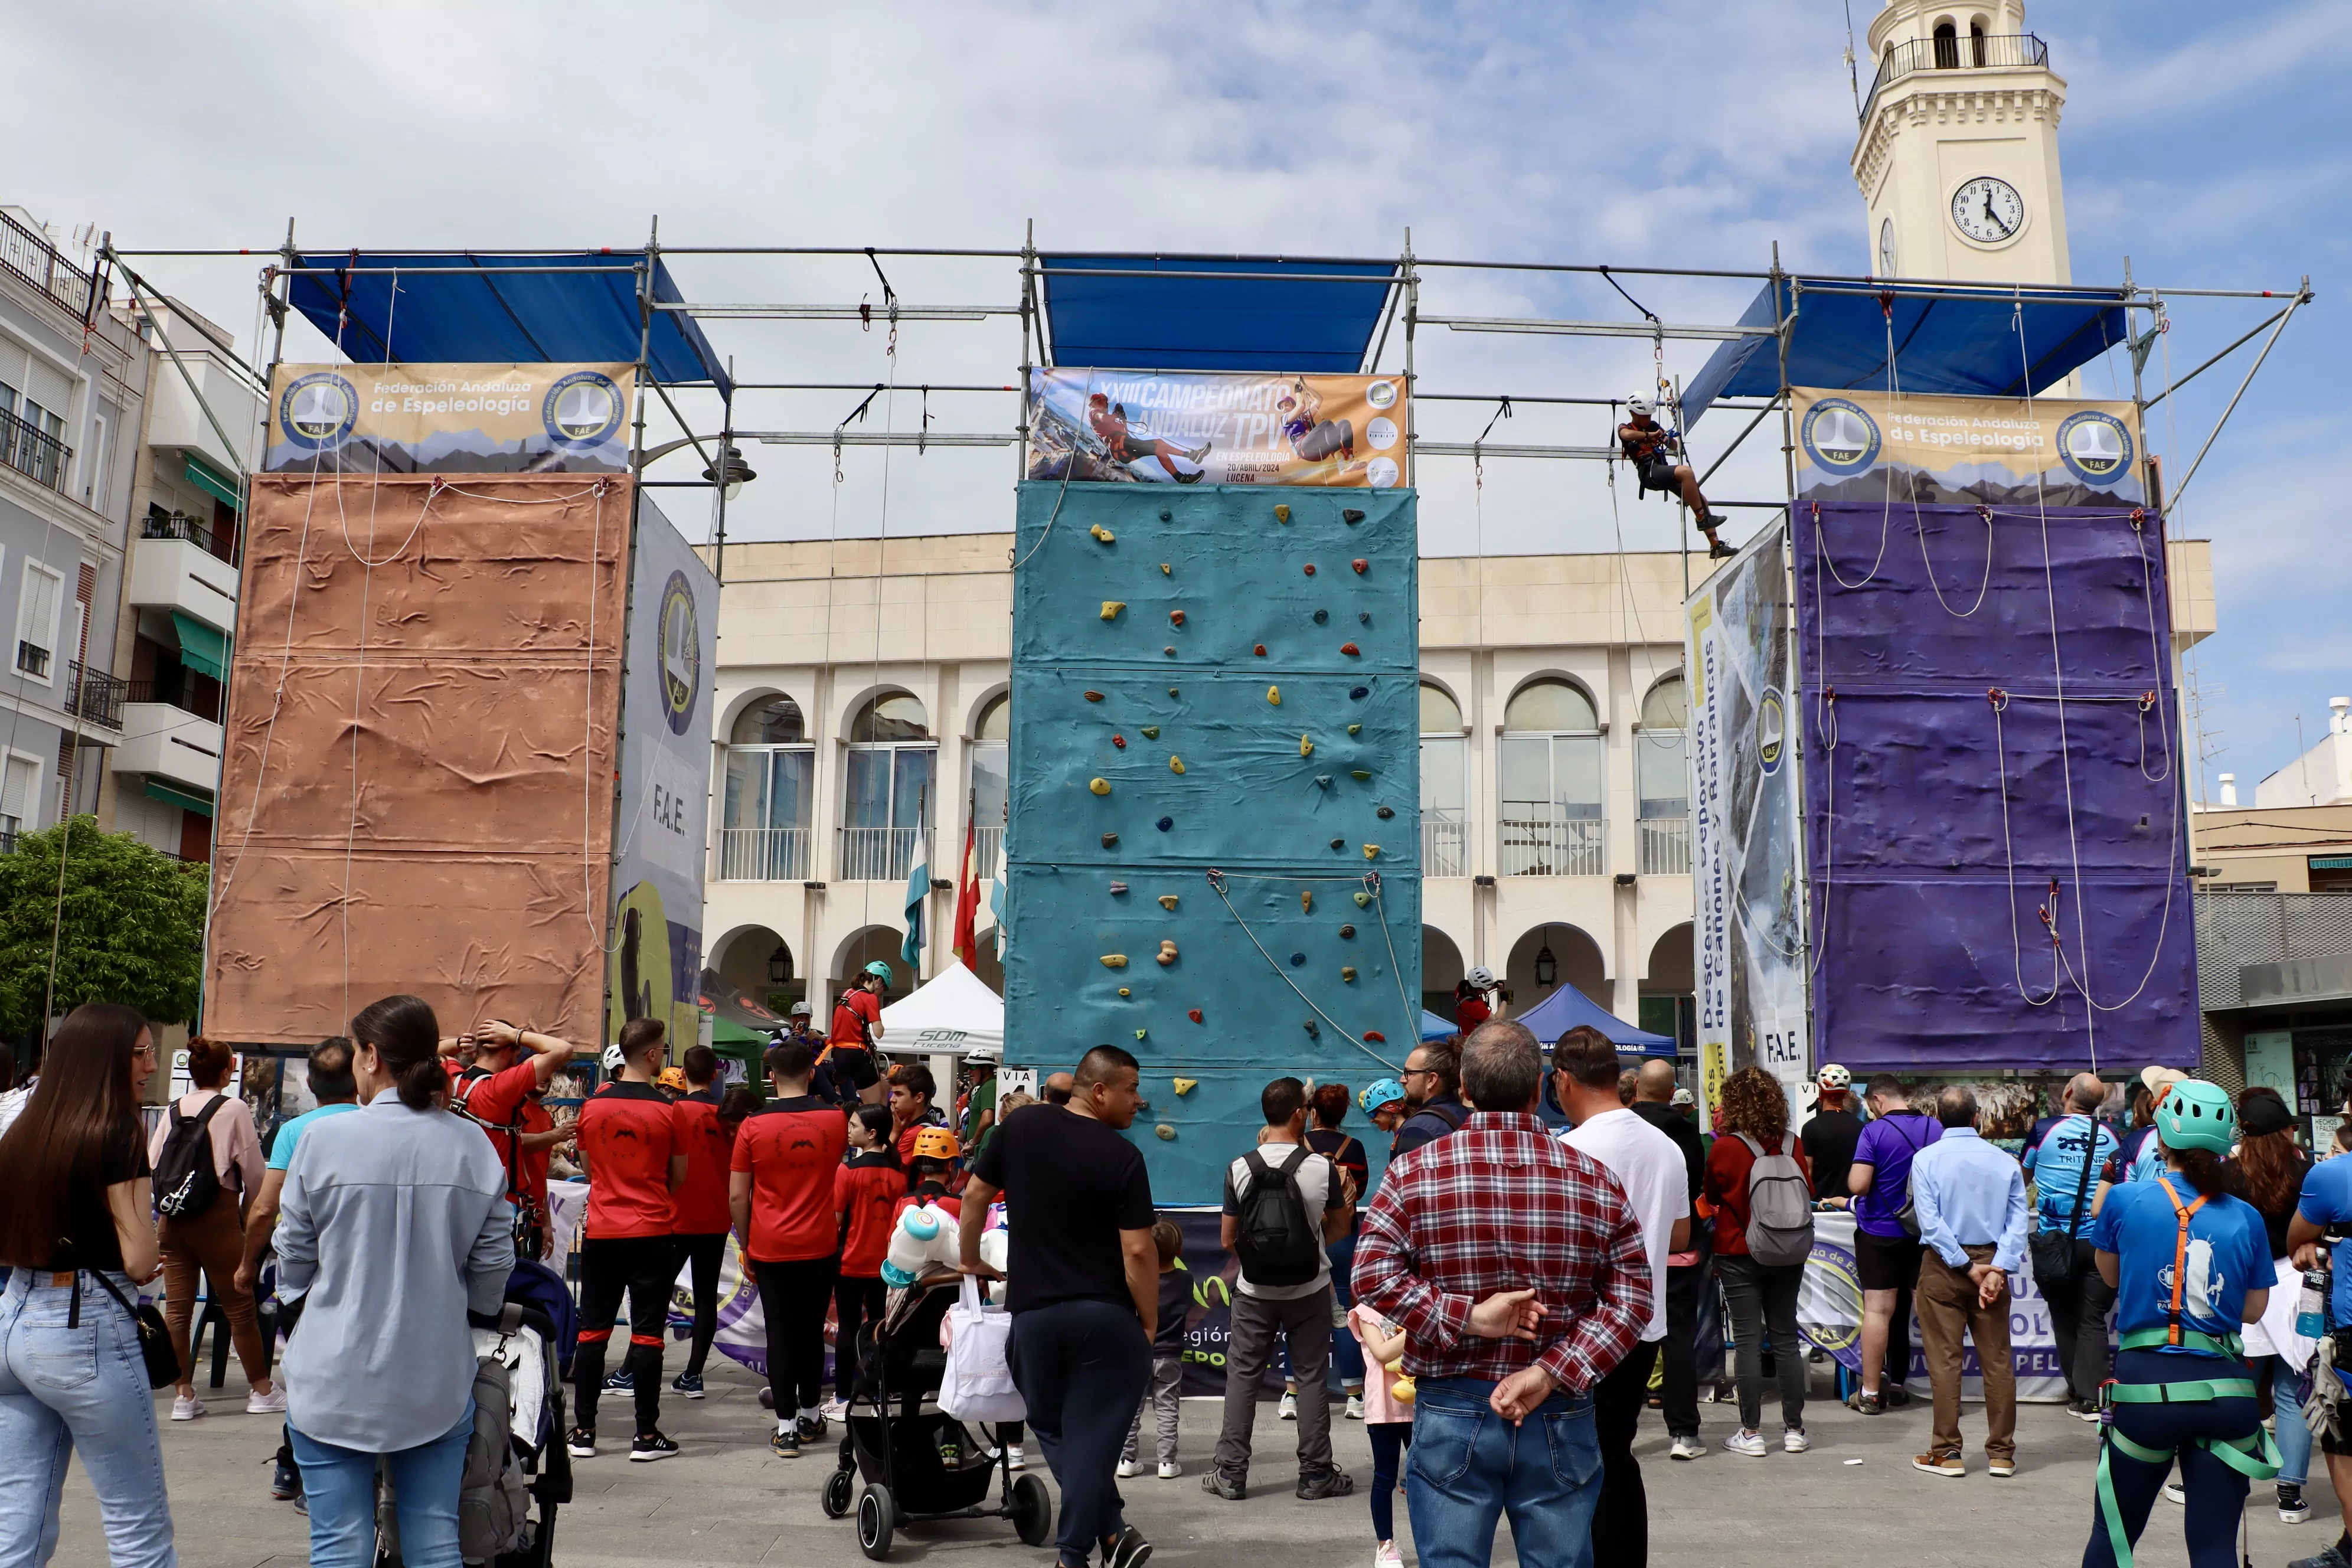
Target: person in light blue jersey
x=2066, y=1159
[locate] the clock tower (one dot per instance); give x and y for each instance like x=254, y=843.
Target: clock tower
x=1958, y=155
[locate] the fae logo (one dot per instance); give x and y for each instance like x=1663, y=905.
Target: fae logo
x=2097, y=448
x=681, y=653
x=1772, y=730
x=1841, y=438
x=317, y=411
x=583, y=409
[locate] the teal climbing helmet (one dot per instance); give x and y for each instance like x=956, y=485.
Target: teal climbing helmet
x=2197, y=1115
x=879, y=970
x=1385, y=1091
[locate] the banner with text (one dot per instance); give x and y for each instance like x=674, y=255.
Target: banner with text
x=449, y=419
x=1119, y=427
x=1988, y=451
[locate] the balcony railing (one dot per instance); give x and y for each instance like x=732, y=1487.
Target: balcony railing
x=171, y=694
x=9, y=828
x=178, y=525
x=1666, y=846
x=97, y=698
x=880, y=854
x=987, y=852
x=763, y=854
x=2238, y=930
x=31, y=257
x=1554, y=847
x=1444, y=848
x=2011, y=50
x=34, y=452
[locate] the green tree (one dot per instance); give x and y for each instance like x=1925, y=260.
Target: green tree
x=129, y=929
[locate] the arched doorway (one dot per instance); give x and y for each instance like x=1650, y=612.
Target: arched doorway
x=1575, y=961
x=762, y=967
x=1441, y=970
x=1669, y=1005
x=864, y=947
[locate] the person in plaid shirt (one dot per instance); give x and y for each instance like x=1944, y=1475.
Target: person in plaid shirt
x=1516, y=1267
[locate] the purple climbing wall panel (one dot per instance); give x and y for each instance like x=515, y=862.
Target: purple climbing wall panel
x=1994, y=801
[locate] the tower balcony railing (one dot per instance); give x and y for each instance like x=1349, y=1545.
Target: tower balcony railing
x=1951, y=53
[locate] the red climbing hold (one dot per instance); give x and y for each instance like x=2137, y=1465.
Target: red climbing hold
x=1175, y=617
x=1375, y=1037
x=1361, y=565
x=1194, y=1015
x=1350, y=649
x=1261, y=650
x=1310, y=569
x=1119, y=741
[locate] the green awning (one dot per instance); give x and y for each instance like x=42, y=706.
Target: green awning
x=202, y=648
x=186, y=800
x=212, y=481
x=725, y=1033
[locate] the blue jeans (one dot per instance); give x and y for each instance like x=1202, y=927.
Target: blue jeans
x=1468, y=1466
x=2293, y=1436
x=339, y=1484
x=82, y=1390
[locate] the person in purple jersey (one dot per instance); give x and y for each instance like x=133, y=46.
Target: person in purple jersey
x=1886, y=1240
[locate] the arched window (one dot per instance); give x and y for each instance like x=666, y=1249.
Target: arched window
x=1948, y=45
x=1550, y=763
x=886, y=805
x=1661, y=774
x=989, y=784
x=763, y=834
x=1444, y=787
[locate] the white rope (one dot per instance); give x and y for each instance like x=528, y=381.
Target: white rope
x=1217, y=885
x=1396, y=970
x=2000, y=702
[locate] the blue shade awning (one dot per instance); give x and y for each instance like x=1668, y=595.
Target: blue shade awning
x=1567, y=1007
x=1320, y=319
x=1954, y=340
x=574, y=307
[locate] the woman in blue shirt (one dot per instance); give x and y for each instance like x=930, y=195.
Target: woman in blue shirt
x=2189, y=1264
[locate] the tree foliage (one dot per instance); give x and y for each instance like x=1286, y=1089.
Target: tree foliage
x=129, y=928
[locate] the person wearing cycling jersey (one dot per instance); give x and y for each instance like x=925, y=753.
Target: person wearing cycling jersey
x=502, y=1092
x=856, y=1025
x=1650, y=446
x=780, y=1192
x=707, y=1141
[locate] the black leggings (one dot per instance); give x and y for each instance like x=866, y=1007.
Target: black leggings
x=793, y=1297
x=1389, y=1441
x=705, y=1253
x=643, y=1268
x=856, y=1299
x=1082, y=1367
x=2217, y=1494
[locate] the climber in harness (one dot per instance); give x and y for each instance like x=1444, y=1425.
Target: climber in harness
x=2189, y=1265
x=1650, y=446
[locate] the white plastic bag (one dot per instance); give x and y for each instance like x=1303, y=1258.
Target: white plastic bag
x=977, y=1384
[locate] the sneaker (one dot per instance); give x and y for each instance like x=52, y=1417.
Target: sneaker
x=622, y=1380
x=1793, y=1440
x=786, y=1443
x=186, y=1407
x=1686, y=1448
x=688, y=1383
x=1746, y=1443
x=1013, y=1459
x=1218, y=1484
x=1169, y=1470
x=834, y=1409
x=1288, y=1409
x=1128, y=1470
x=648, y=1446
x=1948, y=1464
x=580, y=1443
x=2292, y=1509
x=1719, y=550
x=1385, y=1555
x=1355, y=1407
x=1894, y=1395
x=2000, y=1470
x=1129, y=1551
x=812, y=1428
x=287, y=1483
x=2328, y=1556
x=270, y=1404
x=1333, y=1482
x=1863, y=1403
x=2174, y=1493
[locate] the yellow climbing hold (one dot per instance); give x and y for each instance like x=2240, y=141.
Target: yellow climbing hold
x=1141, y=1033
x=1306, y=747
x=1371, y=851
x=1274, y=695
x=1163, y=570
x=1168, y=900
x=1355, y=729
x=1114, y=961
x=1150, y=732
x=1175, y=764
x=1187, y=1085
x=1125, y=991
x=1347, y=974
x=1305, y=900
x=1100, y=786
x=1282, y=514
x=1166, y=1131
x=1104, y=534
x=1363, y=900
x=1111, y=607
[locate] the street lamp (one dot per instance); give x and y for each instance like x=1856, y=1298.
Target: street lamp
x=1547, y=966
x=730, y=473
x=780, y=966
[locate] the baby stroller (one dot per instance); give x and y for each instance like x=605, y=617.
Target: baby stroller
x=919, y=1463
x=517, y=1469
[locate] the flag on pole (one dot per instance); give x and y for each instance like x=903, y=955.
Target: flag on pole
x=965, y=945
x=918, y=887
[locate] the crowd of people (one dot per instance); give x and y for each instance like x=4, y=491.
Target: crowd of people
x=1538, y=1263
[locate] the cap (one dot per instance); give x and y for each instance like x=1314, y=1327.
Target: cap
x=2263, y=1113
x=936, y=1144
x=2158, y=1079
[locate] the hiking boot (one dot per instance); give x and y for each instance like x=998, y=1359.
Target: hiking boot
x=581, y=1443
x=786, y=1443
x=2292, y=1509
x=1333, y=1482
x=1865, y=1403
x=648, y=1446
x=1218, y=1484
x=688, y=1383
x=286, y=1484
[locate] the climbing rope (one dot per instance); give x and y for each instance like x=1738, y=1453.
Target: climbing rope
x=1217, y=885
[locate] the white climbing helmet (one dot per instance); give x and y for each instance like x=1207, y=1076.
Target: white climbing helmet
x=613, y=1059
x=1638, y=404
x=1834, y=1077
x=1483, y=978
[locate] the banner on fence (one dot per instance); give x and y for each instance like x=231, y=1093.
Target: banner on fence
x=1893, y=447
x=1119, y=427
x=450, y=419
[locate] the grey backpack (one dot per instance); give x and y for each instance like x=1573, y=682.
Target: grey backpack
x=493, y=1505
x=1780, y=1204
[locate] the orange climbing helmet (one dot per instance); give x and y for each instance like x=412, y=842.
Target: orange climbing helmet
x=936, y=1144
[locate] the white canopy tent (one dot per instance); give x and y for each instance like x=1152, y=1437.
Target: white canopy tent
x=952, y=1014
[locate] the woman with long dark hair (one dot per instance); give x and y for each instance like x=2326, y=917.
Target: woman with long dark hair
x=392, y=1225
x=213, y=1241
x=2267, y=1171
x=1761, y=1296
x=77, y=1229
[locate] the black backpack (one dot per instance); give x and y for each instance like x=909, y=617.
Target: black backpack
x=1276, y=1243
x=186, y=1184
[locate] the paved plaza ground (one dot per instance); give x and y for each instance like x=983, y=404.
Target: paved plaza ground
x=725, y=1501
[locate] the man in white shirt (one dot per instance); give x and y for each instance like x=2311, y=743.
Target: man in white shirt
x=1651, y=1169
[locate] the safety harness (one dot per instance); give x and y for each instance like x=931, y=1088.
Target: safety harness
x=2255, y=1458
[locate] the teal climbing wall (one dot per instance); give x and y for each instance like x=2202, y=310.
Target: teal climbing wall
x=1217, y=608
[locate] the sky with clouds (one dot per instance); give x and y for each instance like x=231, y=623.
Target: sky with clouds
x=2197, y=139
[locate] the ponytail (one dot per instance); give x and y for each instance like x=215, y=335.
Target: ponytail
x=2205, y=1169
x=407, y=1038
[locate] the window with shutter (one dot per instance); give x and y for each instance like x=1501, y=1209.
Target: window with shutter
x=19, y=789
x=37, y=620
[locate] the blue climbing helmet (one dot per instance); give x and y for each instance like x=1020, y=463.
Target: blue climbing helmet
x=1385, y=1091
x=2197, y=1115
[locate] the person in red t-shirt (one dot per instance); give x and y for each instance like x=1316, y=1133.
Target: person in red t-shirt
x=780, y=1196
x=629, y=1135
x=911, y=1091
x=856, y=1025
x=707, y=1141
x=502, y=1092
x=865, y=1189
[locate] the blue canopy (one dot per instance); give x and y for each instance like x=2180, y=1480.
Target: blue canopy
x=1321, y=321
x=1954, y=340
x=574, y=307
x=1567, y=1007
x=1433, y=1027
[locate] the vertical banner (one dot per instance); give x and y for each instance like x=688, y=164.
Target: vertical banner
x=655, y=967
x=1746, y=862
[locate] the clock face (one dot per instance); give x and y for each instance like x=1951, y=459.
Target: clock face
x=1886, y=247
x=1989, y=210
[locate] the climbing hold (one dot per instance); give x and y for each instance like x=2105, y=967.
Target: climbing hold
x=1282, y=514
x=1371, y=851
x=1355, y=729
x=1150, y=732
x=1175, y=764
x=1102, y=534
x=1163, y=570
x=1109, y=839
x=1092, y=696
x=1385, y=812
x=1323, y=780
x=1165, y=515
x=1274, y=695
x=1310, y=569
x=1171, y=692
x=1166, y=952
x=1345, y=973
x=1297, y=959
x=1166, y=1131
x=1118, y=886
x=1375, y=1037
x=1194, y=1014
x=1100, y=786
x=1363, y=900
x=1305, y=900
x=1164, y=824
x=1141, y=1033
x=1357, y=693
x=1114, y=961
x=1175, y=617
x=1169, y=650
x=1119, y=741
x=1338, y=844
x=1363, y=617
x=1352, y=515
x=1322, y=615
x=1187, y=1085
x=1359, y=774
x=1261, y=649
x=1125, y=991
x=1111, y=607
x=1313, y=1033
x=1350, y=649
x=1168, y=900
x=1348, y=931
x=1306, y=747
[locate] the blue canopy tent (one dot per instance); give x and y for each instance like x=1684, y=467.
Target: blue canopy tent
x=1433, y=1027
x=1273, y=314
x=1567, y=1007
x=569, y=307
x=1948, y=340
